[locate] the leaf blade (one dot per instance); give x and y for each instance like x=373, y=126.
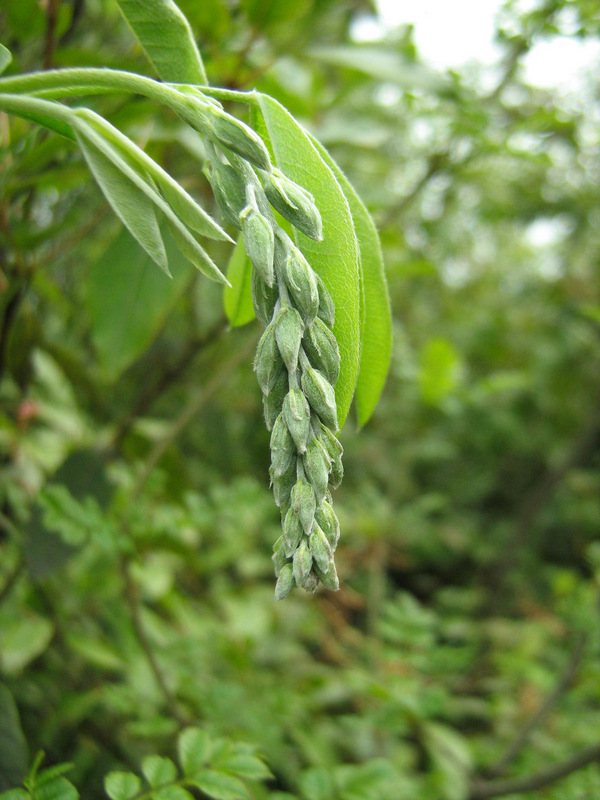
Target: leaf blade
x=237, y=298
x=336, y=258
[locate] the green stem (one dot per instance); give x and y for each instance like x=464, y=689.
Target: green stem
x=25, y=106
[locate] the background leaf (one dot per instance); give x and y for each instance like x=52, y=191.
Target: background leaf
x=336, y=258
x=167, y=39
x=13, y=747
x=5, y=58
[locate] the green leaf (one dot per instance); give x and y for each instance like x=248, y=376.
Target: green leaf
x=172, y=793
x=186, y=208
x=166, y=38
x=336, y=258
x=377, y=328
x=240, y=762
x=129, y=299
x=55, y=789
x=185, y=241
x=10, y=104
x=237, y=298
x=316, y=784
x=158, y=770
x=5, y=58
x=13, y=746
x=24, y=637
x=194, y=749
x=131, y=205
x=122, y=785
x=220, y=786
x=440, y=370
x=15, y=794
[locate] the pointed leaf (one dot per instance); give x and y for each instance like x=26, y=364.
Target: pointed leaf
x=56, y=789
x=158, y=770
x=122, y=785
x=194, y=749
x=131, y=205
x=166, y=38
x=220, y=786
x=192, y=214
x=5, y=58
x=237, y=298
x=336, y=258
x=377, y=329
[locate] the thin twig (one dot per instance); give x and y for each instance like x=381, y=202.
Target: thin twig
x=482, y=790
x=131, y=596
x=50, y=40
x=562, y=686
x=196, y=404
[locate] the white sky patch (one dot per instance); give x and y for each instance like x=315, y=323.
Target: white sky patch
x=452, y=33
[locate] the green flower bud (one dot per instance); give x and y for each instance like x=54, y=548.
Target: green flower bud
x=273, y=401
x=321, y=347
x=320, y=549
x=279, y=557
x=297, y=417
x=288, y=332
x=294, y=203
x=316, y=464
x=283, y=451
x=238, y=137
x=311, y=582
x=302, y=563
x=282, y=486
x=304, y=503
x=229, y=190
x=292, y=531
x=302, y=284
x=335, y=450
x=328, y=578
x=285, y=582
x=326, y=304
x=260, y=242
x=268, y=363
x=319, y=393
x=327, y=521
x=264, y=297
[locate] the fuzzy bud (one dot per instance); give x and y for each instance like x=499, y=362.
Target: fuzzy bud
x=335, y=450
x=326, y=305
x=319, y=393
x=268, y=363
x=264, y=297
x=289, y=329
x=272, y=401
x=294, y=203
x=283, y=451
x=259, y=241
x=304, y=503
x=302, y=284
x=320, y=549
x=327, y=521
x=282, y=486
x=285, y=582
x=316, y=464
x=229, y=190
x=292, y=531
x=240, y=138
x=302, y=563
x=328, y=578
x=297, y=417
x=279, y=557
x=321, y=347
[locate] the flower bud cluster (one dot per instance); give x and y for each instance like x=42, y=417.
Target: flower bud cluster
x=297, y=361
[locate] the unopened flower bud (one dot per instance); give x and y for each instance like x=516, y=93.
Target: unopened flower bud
x=328, y=578
x=304, y=503
x=283, y=451
x=311, y=582
x=279, y=557
x=297, y=417
x=327, y=521
x=316, y=464
x=326, y=305
x=239, y=137
x=285, y=582
x=319, y=393
x=302, y=284
x=229, y=190
x=320, y=549
x=259, y=241
x=268, y=363
x=292, y=531
x=335, y=450
x=294, y=203
x=302, y=563
x=282, y=486
x=289, y=329
x=321, y=347
x=264, y=297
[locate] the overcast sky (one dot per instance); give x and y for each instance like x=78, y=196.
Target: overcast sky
x=449, y=33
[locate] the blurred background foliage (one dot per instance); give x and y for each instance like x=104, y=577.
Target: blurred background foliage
x=461, y=657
